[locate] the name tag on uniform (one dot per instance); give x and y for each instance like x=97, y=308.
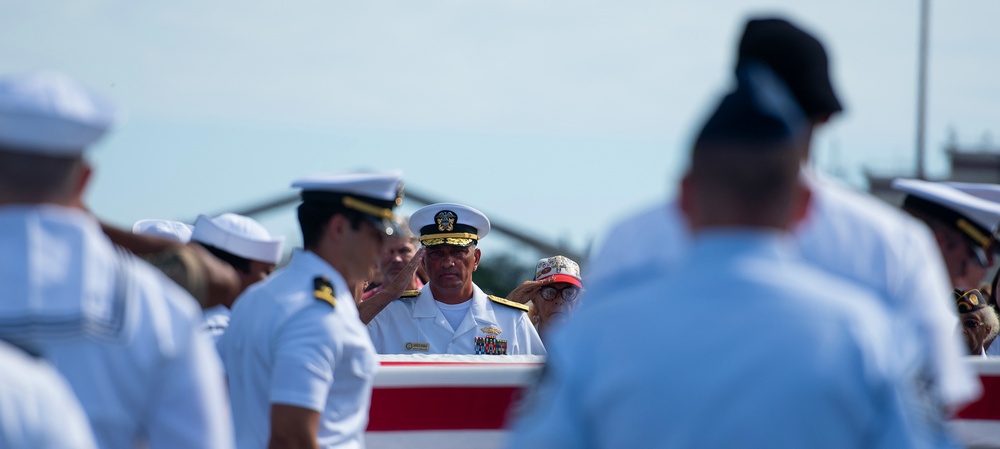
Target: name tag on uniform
x=412, y=346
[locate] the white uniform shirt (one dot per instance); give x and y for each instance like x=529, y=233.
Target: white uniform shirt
x=215, y=321
x=847, y=233
x=809, y=360
x=284, y=346
x=417, y=326
x=127, y=339
x=37, y=408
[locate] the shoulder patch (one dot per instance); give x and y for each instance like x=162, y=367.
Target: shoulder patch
x=410, y=294
x=323, y=290
x=508, y=302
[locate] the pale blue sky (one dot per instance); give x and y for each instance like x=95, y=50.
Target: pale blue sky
x=559, y=116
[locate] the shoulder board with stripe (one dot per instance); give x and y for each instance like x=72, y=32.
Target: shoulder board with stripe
x=410, y=294
x=507, y=302
x=323, y=291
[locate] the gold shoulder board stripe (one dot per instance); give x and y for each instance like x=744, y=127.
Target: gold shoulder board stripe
x=507, y=302
x=323, y=291
x=410, y=294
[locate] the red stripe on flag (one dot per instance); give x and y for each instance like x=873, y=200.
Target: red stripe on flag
x=440, y=408
x=988, y=406
x=487, y=364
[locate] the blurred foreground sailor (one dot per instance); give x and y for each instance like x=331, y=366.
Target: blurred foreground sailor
x=656, y=379
x=451, y=314
x=124, y=337
x=962, y=223
x=244, y=244
x=845, y=232
x=299, y=360
x=37, y=407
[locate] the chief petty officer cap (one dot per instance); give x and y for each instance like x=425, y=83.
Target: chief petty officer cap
x=239, y=235
x=373, y=194
x=168, y=229
x=51, y=114
x=760, y=113
x=449, y=224
x=975, y=218
x=797, y=57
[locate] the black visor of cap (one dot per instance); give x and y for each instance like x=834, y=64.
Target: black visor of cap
x=377, y=211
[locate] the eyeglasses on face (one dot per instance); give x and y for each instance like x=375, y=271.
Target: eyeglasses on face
x=971, y=324
x=568, y=293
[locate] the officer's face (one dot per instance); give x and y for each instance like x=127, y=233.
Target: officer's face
x=362, y=250
x=396, y=253
x=450, y=267
x=963, y=265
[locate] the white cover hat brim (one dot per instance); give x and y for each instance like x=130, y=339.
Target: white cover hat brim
x=983, y=212
x=239, y=235
x=51, y=114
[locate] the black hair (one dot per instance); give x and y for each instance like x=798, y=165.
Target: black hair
x=314, y=215
x=241, y=264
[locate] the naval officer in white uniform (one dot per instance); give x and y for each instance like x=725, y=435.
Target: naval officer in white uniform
x=125, y=337
x=300, y=362
x=451, y=314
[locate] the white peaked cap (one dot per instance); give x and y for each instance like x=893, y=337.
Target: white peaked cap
x=982, y=212
x=239, y=235
x=988, y=192
x=168, y=229
x=51, y=114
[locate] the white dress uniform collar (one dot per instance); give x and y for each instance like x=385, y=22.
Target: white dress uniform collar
x=479, y=311
x=55, y=232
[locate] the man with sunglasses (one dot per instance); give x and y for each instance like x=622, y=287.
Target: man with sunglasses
x=978, y=320
x=962, y=225
x=451, y=314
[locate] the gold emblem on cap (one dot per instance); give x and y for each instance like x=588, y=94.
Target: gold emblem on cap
x=399, y=194
x=445, y=220
x=491, y=330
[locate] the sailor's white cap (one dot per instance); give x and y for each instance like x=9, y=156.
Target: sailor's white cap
x=239, y=235
x=975, y=217
x=51, y=114
x=168, y=229
x=988, y=192
x=375, y=195
x=449, y=224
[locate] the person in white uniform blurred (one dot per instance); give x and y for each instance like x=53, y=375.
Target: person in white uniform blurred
x=125, y=337
x=845, y=232
x=37, y=407
x=744, y=344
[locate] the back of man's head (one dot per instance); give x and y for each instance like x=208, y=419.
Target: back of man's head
x=797, y=57
x=745, y=161
x=47, y=120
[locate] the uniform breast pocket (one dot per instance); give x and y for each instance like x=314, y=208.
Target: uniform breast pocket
x=363, y=364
